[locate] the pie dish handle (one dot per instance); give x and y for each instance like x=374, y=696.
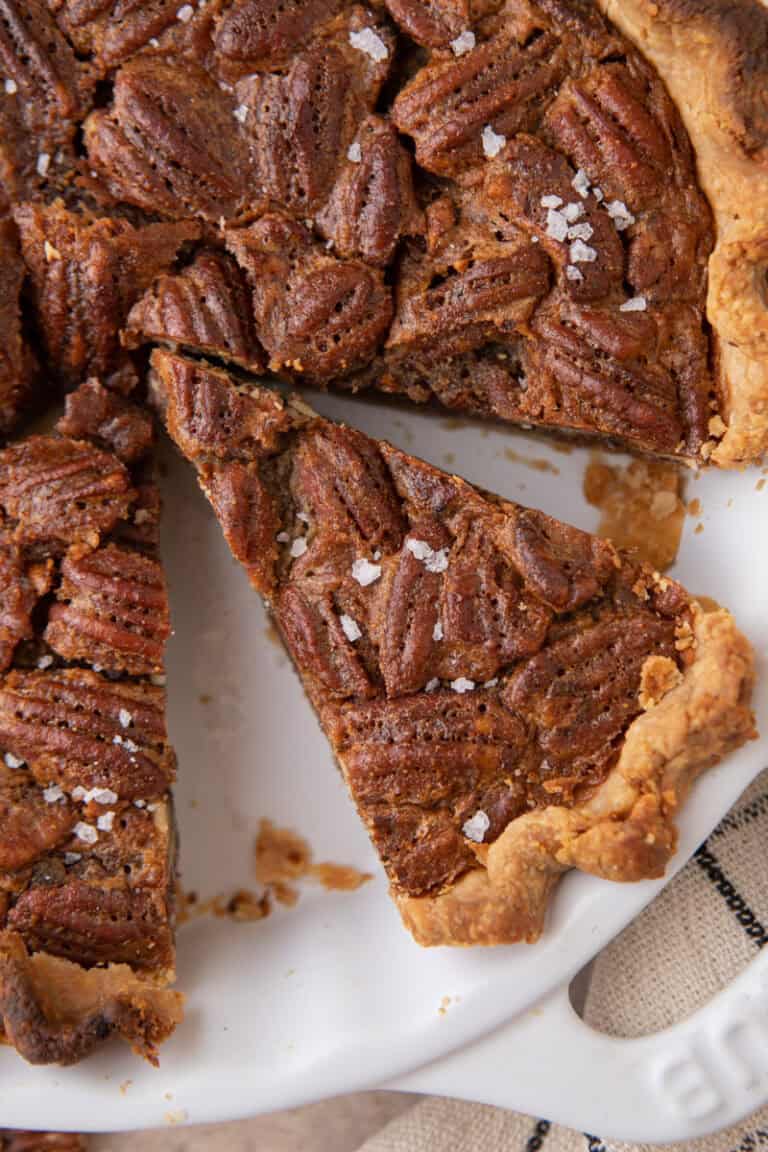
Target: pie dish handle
x=699, y=1076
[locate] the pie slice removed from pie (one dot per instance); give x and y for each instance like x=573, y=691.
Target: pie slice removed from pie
x=87, y=853
x=507, y=697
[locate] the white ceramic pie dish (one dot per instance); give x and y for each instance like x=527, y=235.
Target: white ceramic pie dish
x=333, y=995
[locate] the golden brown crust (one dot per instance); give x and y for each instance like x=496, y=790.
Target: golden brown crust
x=52, y=1010
x=626, y=830
x=713, y=58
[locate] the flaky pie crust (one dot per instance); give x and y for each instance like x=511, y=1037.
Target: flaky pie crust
x=626, y=830
x=713, y=58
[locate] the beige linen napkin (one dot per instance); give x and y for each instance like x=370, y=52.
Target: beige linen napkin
x=695, y=937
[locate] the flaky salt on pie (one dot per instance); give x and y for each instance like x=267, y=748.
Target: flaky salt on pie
x=500, y=206
x=567, y=199
x=538, y=191
x=507, y=697
x=87, y=841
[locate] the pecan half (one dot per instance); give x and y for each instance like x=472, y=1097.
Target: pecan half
x=317, y=642
x=432, y=23
x=112, y=610
x=502, y=84
x=206, y=307
x=85, y=277
x=317, y=317
x=256, y=34
x=559, y=564
x=67, y=726
x=248, y=516
x=372, y=204
x=91, y=924
x=527, y=172
x=339, y=478
x=211, y=419
x=581, y=692
x=60, y=491
x=31, y=828
x=170, y=142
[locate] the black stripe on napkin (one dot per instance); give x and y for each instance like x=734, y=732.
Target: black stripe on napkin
x=711, y=867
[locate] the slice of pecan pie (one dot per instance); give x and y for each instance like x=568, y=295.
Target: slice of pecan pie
x=506, y=696
x=87, y=842
x=521, y=209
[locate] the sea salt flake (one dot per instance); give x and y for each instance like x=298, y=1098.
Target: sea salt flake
x=463, y=43
x=434, y=560
x=142, y=516
x=476, y=827
x=462, y=685
x=437, y=631
x=573, y=273
x=241, y=113
x=573, y=211
x=43, y=164
x=153, y=807
x=598, y=194
x=634, y=304
x=154, y=42
x=139, y=803
x=11, y=87
x=432, y=685
x=377, y=554
x=419, y=548
x=581, y=253
x=620, y=214
x=125, y=718
x=51, y=253
x=86, y=832
x=580, y=183
x=493, y=142
x=557, y=225
x=365, y=573
x=282, y=537
x=45, y=661
x=551, y=201
x=185, y=13
x=298, y=547
x=355, y=152
x=72, y=857
x=438, y=561
x=13, y=761
x=370, y=43
x=124, y=742
x=350, y=628
x=303, y=517
x=580, y=231
x=491, y=683
x=53, y=793
x=105, y=821
x=101, y=796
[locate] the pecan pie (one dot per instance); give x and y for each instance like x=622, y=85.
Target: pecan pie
x=551, y=212
x=533, y=188
x=507, y=697
x=87, y=855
